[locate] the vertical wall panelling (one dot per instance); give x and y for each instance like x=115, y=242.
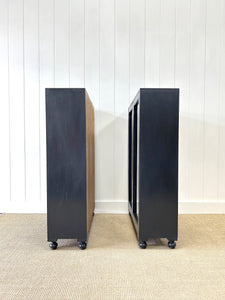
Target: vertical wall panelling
x=4, y=119
x=221, y=146
x=167, y=43
x=112, y=48
x=92, y=73
x=137, y=45
x=46, y=61
x=212, y=94
x=121, y=98
x=31, y=96
x=182, y=81
x=76, y=42
x=152, y=43
x=62, y=49
x=16, y=100
x=92, y=50
x=106, y=108
x=196, y=100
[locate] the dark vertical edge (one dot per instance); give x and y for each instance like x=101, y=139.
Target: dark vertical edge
x=178, y=122
x=46, y=136
x=141, y=207
x=85, y=147
x=129, y=154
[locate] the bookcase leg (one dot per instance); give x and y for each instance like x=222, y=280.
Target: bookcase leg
x=142, y=244
x=171, y=244
x=82, y=245
x=53, y=245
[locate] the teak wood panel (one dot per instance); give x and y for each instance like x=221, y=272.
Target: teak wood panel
x=90, y=160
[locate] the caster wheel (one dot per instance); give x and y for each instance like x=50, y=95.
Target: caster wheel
x=142, y=244
x=171, y=244
x=82, y=245
x=53, y=245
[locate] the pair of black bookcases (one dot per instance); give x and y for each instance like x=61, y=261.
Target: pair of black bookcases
x=153, y=122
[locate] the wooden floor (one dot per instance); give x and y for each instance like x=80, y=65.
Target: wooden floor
x=112, y=266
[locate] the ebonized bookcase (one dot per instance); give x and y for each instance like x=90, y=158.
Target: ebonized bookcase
x=153, y=164
x=70, y=164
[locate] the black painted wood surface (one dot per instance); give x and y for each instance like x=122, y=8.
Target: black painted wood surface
x=66, y=164
x=153, y=163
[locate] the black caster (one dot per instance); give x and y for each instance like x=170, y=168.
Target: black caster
x=171, y=244
x=142, y=244
x=53, y=245
x=82, y=245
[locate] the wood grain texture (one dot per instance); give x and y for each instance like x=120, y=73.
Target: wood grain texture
x=90, y=160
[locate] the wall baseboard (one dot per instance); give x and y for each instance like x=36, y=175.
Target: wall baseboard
x=24, y=207
x=111, y=207
x=201, y=207
x=121, y=207
x=184, y=207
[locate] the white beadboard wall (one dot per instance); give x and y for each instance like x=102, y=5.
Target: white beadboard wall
x=112, y=48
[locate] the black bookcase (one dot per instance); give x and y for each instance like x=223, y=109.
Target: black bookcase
x=153, y=164
x=70, y=164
